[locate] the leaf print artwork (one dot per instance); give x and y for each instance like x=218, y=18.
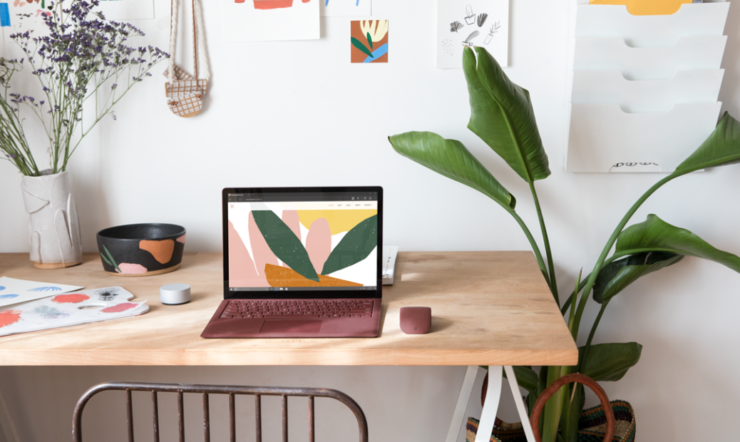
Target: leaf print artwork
x=369, y=40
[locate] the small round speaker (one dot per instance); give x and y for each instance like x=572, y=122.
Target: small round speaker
x=174, y=294
x=416, y=320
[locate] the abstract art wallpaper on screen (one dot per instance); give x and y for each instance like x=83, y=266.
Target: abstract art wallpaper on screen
x=275, y=245
x=369, y=41
x=270, y=20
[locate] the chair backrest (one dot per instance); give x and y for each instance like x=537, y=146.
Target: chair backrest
x=206, y=390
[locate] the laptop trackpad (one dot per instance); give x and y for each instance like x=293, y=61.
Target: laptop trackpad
x=291, y=326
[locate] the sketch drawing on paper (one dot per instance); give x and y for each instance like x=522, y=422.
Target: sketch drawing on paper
x=369, y=40
x=482, y=19
x=469, y=41
x=463, y=23
x=494, y=29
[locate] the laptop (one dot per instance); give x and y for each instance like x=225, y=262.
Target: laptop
x=302, y=262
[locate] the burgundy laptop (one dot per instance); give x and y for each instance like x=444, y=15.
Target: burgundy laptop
x=300, y=262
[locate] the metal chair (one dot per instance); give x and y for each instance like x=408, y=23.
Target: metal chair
x=206, y=390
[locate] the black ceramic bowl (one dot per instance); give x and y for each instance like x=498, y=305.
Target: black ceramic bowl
x=141, y=249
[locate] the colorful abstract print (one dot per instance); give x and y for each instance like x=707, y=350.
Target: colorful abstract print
x=282, y=255
x=272, y=4
x=369, y=40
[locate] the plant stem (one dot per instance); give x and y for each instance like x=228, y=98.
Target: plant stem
x=610, y=243
x=546, y=240
x=568, y=301
x=593, y=329
x=532, y=242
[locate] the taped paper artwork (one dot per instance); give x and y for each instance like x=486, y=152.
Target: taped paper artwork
x=343, y=8
x=369, y=41
x=270, y=20
x=461, y=23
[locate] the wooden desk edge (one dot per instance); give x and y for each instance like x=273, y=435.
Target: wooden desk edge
x=361, y=357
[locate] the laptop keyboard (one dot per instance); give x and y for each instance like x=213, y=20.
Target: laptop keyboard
x=308, y=308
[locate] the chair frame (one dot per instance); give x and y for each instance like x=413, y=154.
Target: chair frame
x=207, y=390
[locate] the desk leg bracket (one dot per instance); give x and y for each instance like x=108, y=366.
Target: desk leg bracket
x=490, y=409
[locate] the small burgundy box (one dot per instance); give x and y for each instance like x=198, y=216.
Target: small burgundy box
x=416, y=320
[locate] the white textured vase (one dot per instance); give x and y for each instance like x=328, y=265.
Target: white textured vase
x=53, y=230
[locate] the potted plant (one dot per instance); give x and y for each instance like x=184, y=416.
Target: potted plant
x=502, y=116
x=82, y=57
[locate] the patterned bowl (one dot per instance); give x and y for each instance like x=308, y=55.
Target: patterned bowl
x=141, y=249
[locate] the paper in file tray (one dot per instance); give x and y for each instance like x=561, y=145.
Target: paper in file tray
x=604, y=138
x=655, y=63
x=700, y=86
x=692, y=19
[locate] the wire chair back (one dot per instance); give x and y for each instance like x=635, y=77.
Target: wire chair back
x=205, y=391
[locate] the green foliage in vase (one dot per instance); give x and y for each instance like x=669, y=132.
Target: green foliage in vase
x=503, y=117
x=82, y=58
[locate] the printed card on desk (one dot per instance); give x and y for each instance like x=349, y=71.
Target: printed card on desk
x=462, y=23
x=14, y=291
x=70, y=309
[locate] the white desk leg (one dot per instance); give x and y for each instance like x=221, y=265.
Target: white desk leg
x=458, y=417
x=526, y=426
x=490, y=408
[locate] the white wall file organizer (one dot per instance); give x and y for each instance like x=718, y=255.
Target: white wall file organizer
x=692, y=19
x=653, y=63
x=604, y=138
x=696, y=86
x=642, y=89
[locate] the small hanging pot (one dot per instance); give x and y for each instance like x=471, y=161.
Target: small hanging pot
x=184, y=91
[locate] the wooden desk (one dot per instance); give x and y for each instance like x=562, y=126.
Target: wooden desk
x=489, y=308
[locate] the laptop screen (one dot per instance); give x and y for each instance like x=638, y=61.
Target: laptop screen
x=292, y=243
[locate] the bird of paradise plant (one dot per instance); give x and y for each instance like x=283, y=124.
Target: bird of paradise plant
x=502, y=116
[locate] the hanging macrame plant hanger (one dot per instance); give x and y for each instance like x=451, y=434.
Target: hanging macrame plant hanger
x=185, y=92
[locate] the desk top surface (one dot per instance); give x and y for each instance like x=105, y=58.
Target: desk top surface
x=488, y=308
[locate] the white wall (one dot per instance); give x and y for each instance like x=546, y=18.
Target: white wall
x=297, y=113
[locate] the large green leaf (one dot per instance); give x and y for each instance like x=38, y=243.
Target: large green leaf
x=654, y=234
x=617, y=275
x=284, y=244
x=451, y=159
x=720, y=149
x=572, y=414
x=501, y=114
x=355, y=246
x=609, y=362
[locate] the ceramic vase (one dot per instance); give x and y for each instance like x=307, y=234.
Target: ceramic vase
x=53, y=227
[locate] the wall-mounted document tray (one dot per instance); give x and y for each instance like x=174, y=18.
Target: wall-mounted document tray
x=692, y=19
x=603, y=138
x=699, y=86
x=654, y=63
